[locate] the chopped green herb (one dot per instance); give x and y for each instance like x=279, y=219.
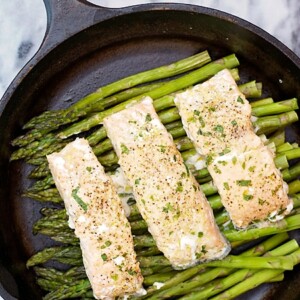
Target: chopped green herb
x=207, y=133
x=252, y=168
x=137, y=181
x=202, y=123
x=124, y=149
x=106, y=244
x=131, y=201
x=226, y=186
x=187, y=169
x=261, y=201
x=234, y=123
x=162, y=148
x=132, y=121
x=171, y=232
x=223, y=162
x=179, y=186
x=104, y=257
x=234, y=160
x=209, y=159
x=219, y=128
x=82, y=204
x=225, y=151
x=211, y=109
x=217, y=170
x=240, y=100
x=247, y=197
x=143, y=201
x=89, y=169
x=200, y=234
x=168, y=208
x=196, y=112
x=132, y=272
x=183, y=175
x=244, y=182
x=148, y=118
x=244, y=165
x=114, y=277
x=199, y=132
x=174, y=157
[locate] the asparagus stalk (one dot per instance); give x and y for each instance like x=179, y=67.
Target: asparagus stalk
x=52, y=120
x=168, y=88
x=251, y=89
x=291, y=173
x=256, y=279
x=211, y=274
x=261, y=102
x=76, y=289
x=220, y=285
x=275, y=108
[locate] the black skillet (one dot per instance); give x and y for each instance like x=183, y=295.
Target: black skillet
x=88, y=46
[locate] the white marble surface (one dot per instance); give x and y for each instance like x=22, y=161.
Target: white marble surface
x=23, y=24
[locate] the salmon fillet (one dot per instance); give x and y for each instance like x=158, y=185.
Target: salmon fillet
x=167, y=195
x=96, y=213
x=217, y=118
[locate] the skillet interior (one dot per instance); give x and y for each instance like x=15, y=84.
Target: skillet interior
x=142, y=39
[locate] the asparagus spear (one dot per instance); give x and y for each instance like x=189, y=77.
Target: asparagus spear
x=168, y=88
x=256, y=279
x=50, y=121
x=210, y=274
x=220, y=285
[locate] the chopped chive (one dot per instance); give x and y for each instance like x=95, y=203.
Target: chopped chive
x=124, y=149
x=104, y=257
x=226, y=186
x=148, y=118
x=240, y=100
x=219, y=128
x=244, y=182
x=82, y=204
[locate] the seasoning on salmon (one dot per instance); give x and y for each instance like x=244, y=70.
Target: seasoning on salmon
x=96, y=213
x=168, y=196
x=217, y=118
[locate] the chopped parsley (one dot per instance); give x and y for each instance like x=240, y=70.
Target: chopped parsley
x=89, y=169
x=168, y=208
x=162, y=148
x=247, y=197
x=114, y=277
x=226, y=186
x=104, y=257
x=106, y=244
x=225, y=151
x=202, y=123
x=244, y=182
x=234, y=160
x=137, y=181
x=196, y=112
x=219, y=128
x=209, y=159
x=200, y=234
x=131, y=272
x=234, y=123
x=148, y=118
x=240, y=100
x=179, y=186
x=82, y=204
x=124, y=149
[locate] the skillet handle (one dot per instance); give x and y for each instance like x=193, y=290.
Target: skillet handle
x=68, y=17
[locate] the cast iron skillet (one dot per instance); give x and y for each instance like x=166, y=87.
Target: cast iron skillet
x=88, y=46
